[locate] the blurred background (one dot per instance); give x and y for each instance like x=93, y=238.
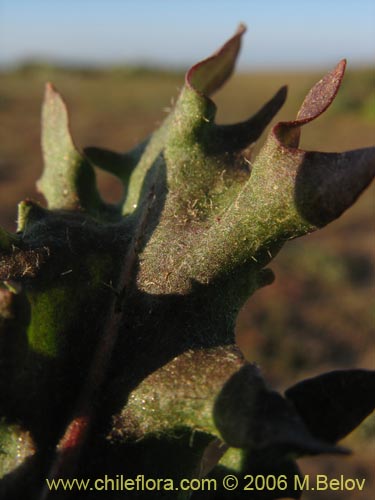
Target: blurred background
x=120, y=65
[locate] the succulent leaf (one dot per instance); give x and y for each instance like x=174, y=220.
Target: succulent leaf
x=128, y=311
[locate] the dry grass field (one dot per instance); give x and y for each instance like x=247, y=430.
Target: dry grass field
x=319, y=314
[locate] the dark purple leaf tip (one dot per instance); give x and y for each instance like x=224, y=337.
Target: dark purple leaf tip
x=209, y=75
x=319, y=98
x=321, y=95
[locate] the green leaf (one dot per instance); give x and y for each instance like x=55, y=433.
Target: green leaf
x=68, y=180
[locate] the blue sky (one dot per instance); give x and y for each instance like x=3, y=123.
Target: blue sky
x=288, y=33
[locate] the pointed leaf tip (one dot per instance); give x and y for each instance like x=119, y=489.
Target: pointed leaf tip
x=322, y=94
x=50, y=89
x=68, y=180
x=318, y=99
x=53, y=102
x=209, y=75
x=321, y=185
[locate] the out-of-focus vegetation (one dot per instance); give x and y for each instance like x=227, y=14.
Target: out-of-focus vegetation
x=319, y=314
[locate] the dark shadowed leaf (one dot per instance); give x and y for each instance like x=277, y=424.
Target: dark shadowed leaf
x=335, y=403
x=119, y=164
x=329, y=183
x=251, y=416
x=240, y=135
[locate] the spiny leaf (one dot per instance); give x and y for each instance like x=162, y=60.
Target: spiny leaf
x=230, y=220
x=310, y=189
x=189, y=187
x=68, y=180
x=285, y=196
x=335, y=403
x=326, y=184
x=193, y=111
